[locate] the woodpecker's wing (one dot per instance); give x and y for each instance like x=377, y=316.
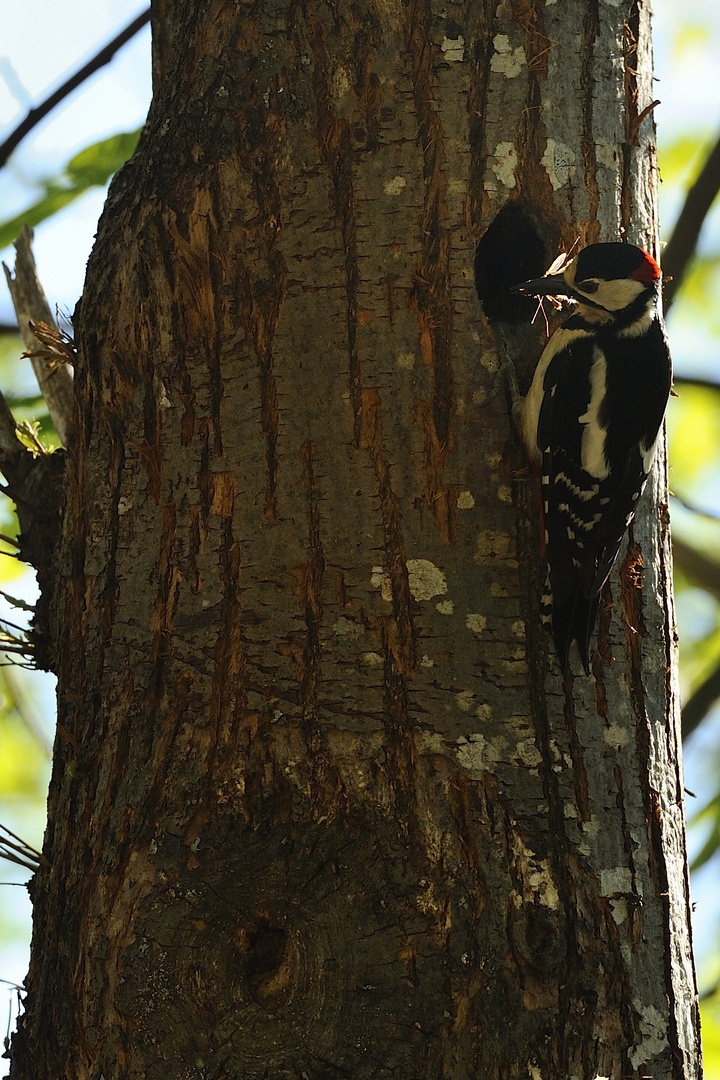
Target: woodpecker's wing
x=597, y=427
x=566, y=496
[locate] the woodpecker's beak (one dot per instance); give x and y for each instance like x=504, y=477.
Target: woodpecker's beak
x=551, y=285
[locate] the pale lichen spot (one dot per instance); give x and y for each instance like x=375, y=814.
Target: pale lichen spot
x=528, y=753
x=619, y=908
x=654, y=1040
x=380, y=579
x=406, y=361
x=476, y=755
x=429, y=742
x=616, y=879
x=494, y=459
x=559, y=162
x=492, y=543
x=484, y=711
x=465, y=699
x=476, y=623
x=497, y=590
x=427, y=662
x=591, y=826
x=395, y=186
x=606, y=153
x=518, y=628
x=506, y=60
x=465, y=500
x=372, y=659
x=348, y=628
x=542, y=883
x=453, y=48
x=503, y=163
x=425, y=579
x=457, y=186
x=445, y=607
x=490, y=361
x=479, y=397
x=616, y=735
x=504, y=493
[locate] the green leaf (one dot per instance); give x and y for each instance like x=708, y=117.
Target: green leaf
x=681, y=160
x=693, y=421
x=96, y=164
x=92, y=167
x=710, y=1038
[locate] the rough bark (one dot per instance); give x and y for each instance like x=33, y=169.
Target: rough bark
x=321, y=804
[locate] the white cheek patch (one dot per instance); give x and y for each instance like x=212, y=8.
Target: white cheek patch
x=618, y=294
x=592, y=449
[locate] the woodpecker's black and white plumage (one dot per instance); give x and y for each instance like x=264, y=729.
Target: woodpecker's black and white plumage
x=590, y=421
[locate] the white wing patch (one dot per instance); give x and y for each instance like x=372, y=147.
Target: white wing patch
x=528, y=411
x=592, y=450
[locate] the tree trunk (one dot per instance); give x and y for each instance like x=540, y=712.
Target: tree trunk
x=322, y=805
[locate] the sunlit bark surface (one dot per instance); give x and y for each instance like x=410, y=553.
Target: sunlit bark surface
x=322, y=805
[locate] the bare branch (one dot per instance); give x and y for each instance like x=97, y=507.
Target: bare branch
x=102, y=58
x=56, y=385
x=683, y=242
x=699, y=567
x=703, y=384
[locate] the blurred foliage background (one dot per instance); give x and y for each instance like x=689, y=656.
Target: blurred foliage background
x=38, y=187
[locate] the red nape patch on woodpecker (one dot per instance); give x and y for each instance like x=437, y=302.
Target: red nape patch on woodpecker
x=648, y=272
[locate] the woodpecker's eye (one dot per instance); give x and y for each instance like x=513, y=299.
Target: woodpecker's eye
x=588, y=286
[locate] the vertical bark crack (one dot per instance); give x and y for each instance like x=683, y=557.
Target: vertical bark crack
x=311, y=584
x=262, y=298
x=590, y=30
x=401, y=633
x=631, y=29
x=336, y=149
x=431, y=292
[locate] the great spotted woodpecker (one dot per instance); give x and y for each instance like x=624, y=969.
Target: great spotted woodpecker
x=590, y=421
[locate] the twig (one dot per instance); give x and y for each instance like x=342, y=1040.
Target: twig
x=699, y=511
x=683, y=242
x=21, y=852
x=700, y=702
x=31, y=305
x=102, y=58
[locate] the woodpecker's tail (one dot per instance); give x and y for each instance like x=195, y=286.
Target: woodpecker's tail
x=572, y=619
